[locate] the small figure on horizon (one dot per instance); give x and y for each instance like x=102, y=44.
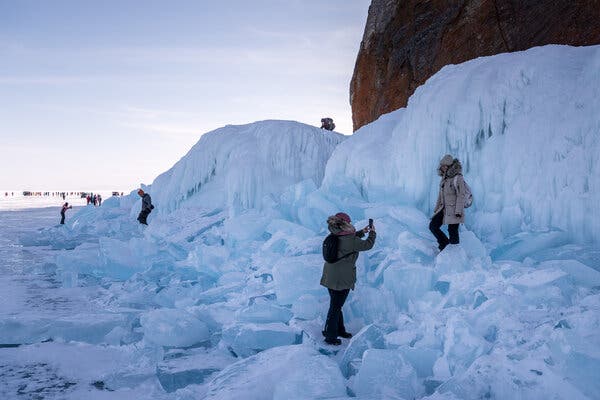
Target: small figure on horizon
x=454, y=196
x=95, y=200
x=99, y=200
x=64, y=209
x=88, y=199
x=327, y=124
x=146, y=207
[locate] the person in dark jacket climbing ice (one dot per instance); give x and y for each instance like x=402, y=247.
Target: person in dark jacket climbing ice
x=327, y=124
x=146, y=207
x=64, y=209
x=339, y=276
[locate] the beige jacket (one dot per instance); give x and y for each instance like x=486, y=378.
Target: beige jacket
x=450, y=198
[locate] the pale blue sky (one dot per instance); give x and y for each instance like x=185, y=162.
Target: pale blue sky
x=108, y=94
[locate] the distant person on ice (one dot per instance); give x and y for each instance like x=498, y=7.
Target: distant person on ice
x=327, y=124
x=65, y=207
x=450, y=205
x=146, y=207
x=339, y=271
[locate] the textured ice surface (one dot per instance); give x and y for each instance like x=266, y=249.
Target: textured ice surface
x=528, y=243
x=370, y=337
x=209, y=300
x=173, y=328
x=488, y=113
x=408, y=282
x=298, y=276
x=90, y=328
x=307, y=307
x=385, y=373
x=422, y=359
x=288, y=372
x=452, y=260
x=239, y=165
x=579, y=273
x=245, y=340
x=264, y=313
x=183, y=368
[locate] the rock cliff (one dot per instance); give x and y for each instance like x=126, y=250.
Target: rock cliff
x=405, y=42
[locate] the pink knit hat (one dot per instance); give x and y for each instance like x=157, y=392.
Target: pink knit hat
x=343, y=216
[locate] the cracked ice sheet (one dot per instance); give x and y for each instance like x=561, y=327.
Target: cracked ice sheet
x=76, y=371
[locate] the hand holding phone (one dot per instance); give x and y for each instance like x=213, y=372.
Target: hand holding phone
x=371, y=227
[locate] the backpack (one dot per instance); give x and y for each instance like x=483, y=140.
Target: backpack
x=330, y=249
x=468, y=196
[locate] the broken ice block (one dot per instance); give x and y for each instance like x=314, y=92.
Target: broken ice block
x=264, y=312
x=421, y=358
x=307, y=307
x=407, y=282
x=182, y=368
x=385, y=373
x=369, y=337
x=451, y=260
x=173, y=328
x=248, y=339
x=298, y=276
x=287, y=372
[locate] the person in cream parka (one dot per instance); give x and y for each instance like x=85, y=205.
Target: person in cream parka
x=449, y=208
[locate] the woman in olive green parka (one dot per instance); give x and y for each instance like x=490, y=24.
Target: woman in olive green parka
x=340, y=277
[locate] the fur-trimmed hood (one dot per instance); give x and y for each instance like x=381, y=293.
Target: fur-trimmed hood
x=454, y=168
x=338, y=226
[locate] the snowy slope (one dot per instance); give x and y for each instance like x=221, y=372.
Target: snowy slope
x=526, y=127
x=238, y=166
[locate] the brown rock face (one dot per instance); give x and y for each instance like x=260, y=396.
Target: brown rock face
x=407, y=41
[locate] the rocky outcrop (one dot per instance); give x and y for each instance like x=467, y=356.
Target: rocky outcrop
x=405, y=42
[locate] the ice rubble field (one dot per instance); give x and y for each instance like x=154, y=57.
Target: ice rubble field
x=218, y=297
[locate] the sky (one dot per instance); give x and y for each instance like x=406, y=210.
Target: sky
x=109, y=94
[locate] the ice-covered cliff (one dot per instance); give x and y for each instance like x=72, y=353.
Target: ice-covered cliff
x=525, y=126
x=237, y=166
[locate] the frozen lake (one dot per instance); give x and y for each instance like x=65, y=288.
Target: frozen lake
x=11, y=200
x=48, y=333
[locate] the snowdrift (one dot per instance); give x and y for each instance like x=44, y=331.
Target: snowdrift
x=220, y=298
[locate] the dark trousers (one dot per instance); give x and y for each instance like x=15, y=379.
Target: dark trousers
x=62, y=218
x=335, y=319
x=434, y=226
x=142, y=217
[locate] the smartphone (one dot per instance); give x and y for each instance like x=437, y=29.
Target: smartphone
x=370, y=223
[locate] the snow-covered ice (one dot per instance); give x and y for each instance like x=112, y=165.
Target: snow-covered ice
x=219, y=296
